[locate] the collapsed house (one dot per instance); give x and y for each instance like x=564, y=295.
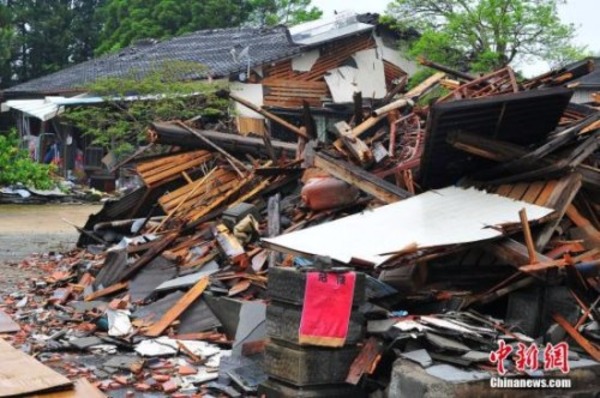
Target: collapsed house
x=421, y=248
x=321, y=63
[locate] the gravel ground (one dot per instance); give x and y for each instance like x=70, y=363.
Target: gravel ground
x=27, y=229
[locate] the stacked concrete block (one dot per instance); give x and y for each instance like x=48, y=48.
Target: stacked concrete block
x=300, y=370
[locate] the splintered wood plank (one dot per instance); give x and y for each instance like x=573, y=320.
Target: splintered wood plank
x=518, y=190
x=365, y=362
x=117, y=287
x=565, y=190
x=222, y=200
x=163, y=163
x=546, y=193
x=533, y=191
x=174, y=171
x=363, y=180
x=504, y=190
x=21, y=374
x=590, y=348
x=170, y=316
x=357, y=147
x=591, y=234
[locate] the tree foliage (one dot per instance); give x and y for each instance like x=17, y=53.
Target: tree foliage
x=129, y=20
x=286, y=12
x=486, y=34
x=131, y=104
x=126, y=21
x=40, y=37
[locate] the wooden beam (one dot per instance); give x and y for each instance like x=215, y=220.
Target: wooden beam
x=413, y=94
x=223, y=152
x=184, y=302
x=425, y=86
x=358, y=110
x=592, y=235
x=167, y=133
x=366, y=361
x=443, y=68
x=268, y=145
x=158, y=248
x=528, y=238
x=310, y=127
x=117, y=287
x=501, y=151
x=590, y=348
x=560, y=199
x=363, y=180
x=366, y=125
x=270, y=116
x=357, y=148
x=398, y=104
x=512, y=252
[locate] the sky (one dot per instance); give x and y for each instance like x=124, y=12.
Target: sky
x=582, y=13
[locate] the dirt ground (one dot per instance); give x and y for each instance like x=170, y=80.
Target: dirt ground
x=27, y=229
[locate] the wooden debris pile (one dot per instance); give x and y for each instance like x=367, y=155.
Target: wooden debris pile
x=170, y=292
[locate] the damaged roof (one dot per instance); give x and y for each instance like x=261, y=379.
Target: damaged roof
x=222, y=51
x=590, y=80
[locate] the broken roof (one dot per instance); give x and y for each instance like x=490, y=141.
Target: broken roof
x=223, y=51
x=590, y=80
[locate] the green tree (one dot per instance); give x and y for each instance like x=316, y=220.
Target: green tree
x=119, y=124
x=126, y=21
x=43, y=36
x=40, y=37
x=286, y=12
x=7, y=48
x=85, y=27
x=486, y=34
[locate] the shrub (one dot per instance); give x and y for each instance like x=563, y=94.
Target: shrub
x=17, y=167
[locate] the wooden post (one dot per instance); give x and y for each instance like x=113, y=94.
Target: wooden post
x=358, y=111
x=528, y=238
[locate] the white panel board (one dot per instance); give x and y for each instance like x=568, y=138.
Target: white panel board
x=368, y=77
x=305, y=61
x=249, y=92
x=442, y=217
x=395, y=56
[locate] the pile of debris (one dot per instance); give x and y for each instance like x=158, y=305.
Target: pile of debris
x=64, y=192
x=450, y=237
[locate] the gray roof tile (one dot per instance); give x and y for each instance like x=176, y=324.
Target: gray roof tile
x=212, y=48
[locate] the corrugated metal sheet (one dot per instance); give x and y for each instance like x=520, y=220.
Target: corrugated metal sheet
x=522, y=118
x=38, y=108
x=436, y=218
